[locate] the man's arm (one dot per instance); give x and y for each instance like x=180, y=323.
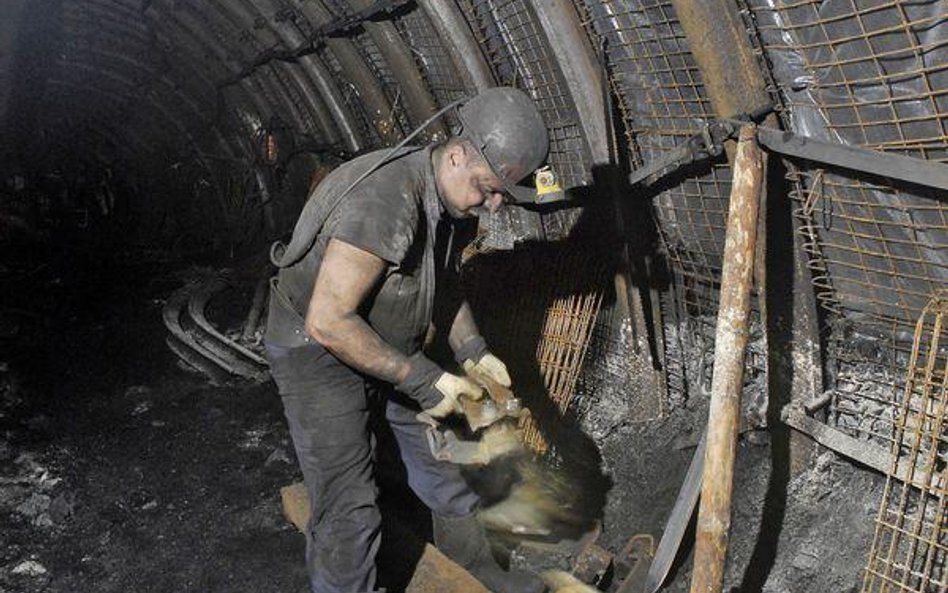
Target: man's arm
x=463, y=328
x=470, y=348
x=346, y=276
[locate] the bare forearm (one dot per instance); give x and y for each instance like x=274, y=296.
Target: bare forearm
x=354, y=342
x=463, y=328
x=343, y=283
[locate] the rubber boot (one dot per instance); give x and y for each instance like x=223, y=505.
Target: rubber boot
x=464, y=541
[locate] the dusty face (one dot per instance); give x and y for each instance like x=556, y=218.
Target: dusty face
x=467, y=185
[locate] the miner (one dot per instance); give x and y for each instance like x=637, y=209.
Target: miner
x=374, y=249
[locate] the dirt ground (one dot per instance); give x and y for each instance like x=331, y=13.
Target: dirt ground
x=119, y=470
x=802, y=517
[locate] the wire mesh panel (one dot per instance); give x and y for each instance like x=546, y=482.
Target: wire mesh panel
x=350, y=96
x=910, y=547
x=662, y=101
x=873, y=74
x=538, y=316
x=433, y=59
x=567, y=331
x=376, y=62
x=518, y=52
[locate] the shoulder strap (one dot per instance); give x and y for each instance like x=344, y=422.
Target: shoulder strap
x=314, y=215
x=316, y=212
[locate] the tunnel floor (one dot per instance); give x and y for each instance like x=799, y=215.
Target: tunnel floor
x=120, y=470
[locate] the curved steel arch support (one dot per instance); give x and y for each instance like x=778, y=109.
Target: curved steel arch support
x=251, y=19
x=458, y=38
x=190, y=34
x=187, y=21
x=314, y=77
x=251, y=22
x=314, y=103
x=196, y=34
x=209, y=127
x=357, y=72
x=332, y=98
x=106, y=19
x=218, y=30
x=370, y=91
x=289, y=95
x=582, y=73
x=419, y=102
x=290, y=38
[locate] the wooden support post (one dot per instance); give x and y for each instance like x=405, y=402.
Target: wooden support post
x=714, y=514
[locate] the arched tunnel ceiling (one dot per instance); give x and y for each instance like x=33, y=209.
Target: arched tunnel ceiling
x=149, y=84
x=195, y=77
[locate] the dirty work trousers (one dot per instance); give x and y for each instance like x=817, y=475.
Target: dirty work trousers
x=327, y=408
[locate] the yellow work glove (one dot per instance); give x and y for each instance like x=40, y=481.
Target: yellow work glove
x=452, y=387
x=488, y=366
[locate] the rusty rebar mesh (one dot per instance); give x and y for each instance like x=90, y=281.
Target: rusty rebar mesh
x=538, y=316
x=862, y=400
x=662, y=102
x=909, y=548
x=876, y=70
x=520, y=56
x=434, y=61
x=877, y=253
x=871, y=74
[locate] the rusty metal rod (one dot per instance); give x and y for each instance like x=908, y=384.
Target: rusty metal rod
x=718, y=41
x=714, y=514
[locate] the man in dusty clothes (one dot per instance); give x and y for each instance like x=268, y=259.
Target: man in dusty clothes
x=375, y=246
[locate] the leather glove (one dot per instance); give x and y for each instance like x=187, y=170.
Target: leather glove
x=452, y=387
x=489, y=366
x=435, y=390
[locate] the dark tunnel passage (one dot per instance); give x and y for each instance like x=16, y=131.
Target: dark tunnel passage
x=152, y=152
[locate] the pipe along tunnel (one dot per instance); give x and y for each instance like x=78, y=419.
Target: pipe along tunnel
x=151, y=151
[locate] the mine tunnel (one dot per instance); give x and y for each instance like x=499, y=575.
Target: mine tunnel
x=720, y=310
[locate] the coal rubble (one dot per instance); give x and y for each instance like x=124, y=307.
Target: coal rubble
x=33, y=498
x=120, y=472
x=802, y=518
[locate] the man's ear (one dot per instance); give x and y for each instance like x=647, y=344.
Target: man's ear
x=457, y=155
